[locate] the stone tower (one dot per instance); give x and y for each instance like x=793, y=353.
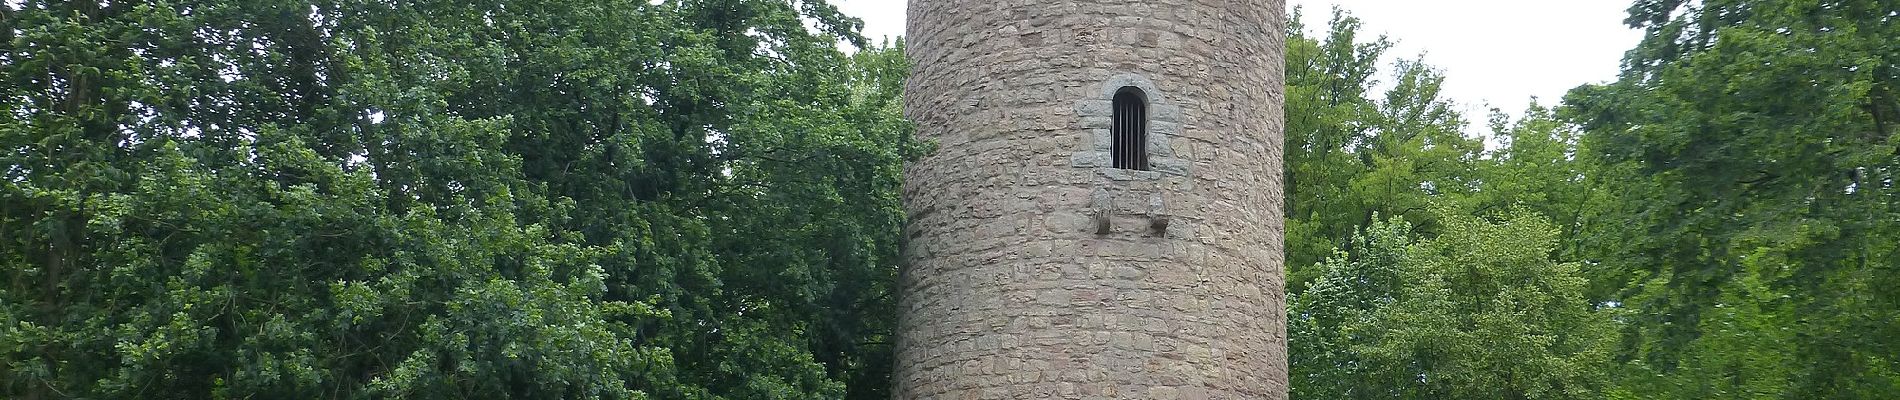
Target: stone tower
x=1102, y=215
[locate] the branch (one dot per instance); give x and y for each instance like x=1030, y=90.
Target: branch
x=1766, y=176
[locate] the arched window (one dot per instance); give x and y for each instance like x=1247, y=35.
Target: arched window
x=1130, y=129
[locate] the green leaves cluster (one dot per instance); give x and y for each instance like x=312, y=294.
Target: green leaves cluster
x=445, y=199
x=1480, y=311
x=1455, y=293
x=1721, y=222
x=1752, y=233
x=1352, y=153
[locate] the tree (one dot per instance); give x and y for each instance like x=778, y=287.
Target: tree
x=1479, y=311
x=1351, y=155
x=1536, y=167
x=445, y=199
x=1748, y=157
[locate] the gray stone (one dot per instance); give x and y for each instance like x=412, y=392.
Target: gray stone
x=1170, y=166
x=1164, y=128
x=1159, y=145
x=1165, y=112
x=1091, y=160
x=1094, y=107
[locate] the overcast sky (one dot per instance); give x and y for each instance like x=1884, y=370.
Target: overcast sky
x=1498, y=53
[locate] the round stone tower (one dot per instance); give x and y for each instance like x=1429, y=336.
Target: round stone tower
x=1101, y=217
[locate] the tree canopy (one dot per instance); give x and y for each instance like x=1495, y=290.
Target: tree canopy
x=1720, y=222
x=446, y=199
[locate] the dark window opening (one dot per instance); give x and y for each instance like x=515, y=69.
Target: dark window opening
x=1130, y=130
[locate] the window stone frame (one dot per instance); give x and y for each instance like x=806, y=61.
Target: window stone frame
x=1164, y=125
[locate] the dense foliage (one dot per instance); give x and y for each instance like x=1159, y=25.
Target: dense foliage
x=689, y=199
x=1478, y=312
x=1422, y=264
x=1753, y=233
x=1721, y=222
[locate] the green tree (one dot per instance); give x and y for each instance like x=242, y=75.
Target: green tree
x=1478, y=311
x=1746, y=216
x=1351, y=154
x=1535, y=167
x=445, y=199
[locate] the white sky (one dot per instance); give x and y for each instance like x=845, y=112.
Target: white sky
x=1495, y=53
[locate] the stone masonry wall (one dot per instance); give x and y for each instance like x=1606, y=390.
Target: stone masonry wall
x=1011, y=288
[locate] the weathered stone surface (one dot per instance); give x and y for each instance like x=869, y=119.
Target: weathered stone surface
x=1010, y=291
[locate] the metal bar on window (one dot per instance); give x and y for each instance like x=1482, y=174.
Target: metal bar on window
x=1128, y=128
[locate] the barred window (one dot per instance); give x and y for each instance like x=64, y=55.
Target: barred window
x=1130, y=129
